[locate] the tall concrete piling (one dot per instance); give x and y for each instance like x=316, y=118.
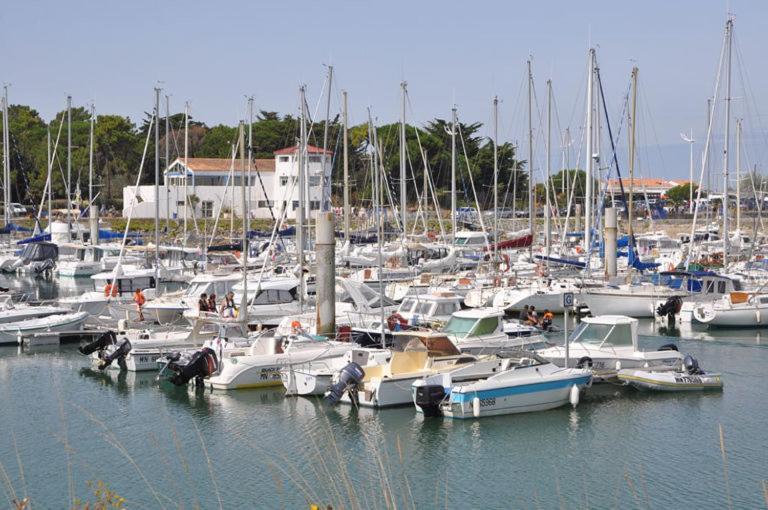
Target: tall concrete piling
x=610, y=241
x=325, y=255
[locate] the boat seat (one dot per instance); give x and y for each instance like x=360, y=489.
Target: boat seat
x=405, y=362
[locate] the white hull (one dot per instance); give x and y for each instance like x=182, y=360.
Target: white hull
x=670, y=381
x=631, y=305
x=737, y=317
x=11, y=333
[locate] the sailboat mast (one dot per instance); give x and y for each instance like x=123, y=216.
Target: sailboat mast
x=531, y=198
x=495, y=179
x=726, y=141
x=186, y=172
x=738, y=175
x=632, y=145
x=346, y=166
x=403, y=197
x=90, y=161
x=157, y=183
x=453, y=176
x=69, y=168
x=588, y=162
x=326, y=203
x=50, y=184
x=300, y=208
x=249, y=180
x=243, y=315
x=548, y=211
x=167, y=161
x=6, y=159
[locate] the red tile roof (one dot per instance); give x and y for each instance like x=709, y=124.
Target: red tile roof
x=224, y=164
x=651, y=182
x=311, y=149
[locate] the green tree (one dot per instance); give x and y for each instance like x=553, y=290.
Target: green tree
x=680, y=194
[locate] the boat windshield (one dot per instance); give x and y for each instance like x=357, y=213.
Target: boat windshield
x=407, y=305
x=599, y=334
x=459, y=325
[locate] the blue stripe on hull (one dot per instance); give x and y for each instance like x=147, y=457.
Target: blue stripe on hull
x=518, y=390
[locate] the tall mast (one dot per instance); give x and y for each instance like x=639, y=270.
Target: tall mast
x=248, y=203
x=346, y=165
x=243, y=315
x=377, y=202
x=6, y=159
x=632, y=149
x=548, y=212
x=531, y=198
x=738, y=175
x=69, y=168
x=453, y=176
x=50, y=183
x=495, y=178
x=167, y=162
x=300, y=183
x=157, y=184
x=588, y=162
x=90, y=164
x=325, y=205
x=186, y=172
x=403, y=197
x=726, y=142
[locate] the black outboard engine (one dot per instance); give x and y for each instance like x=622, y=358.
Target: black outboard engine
x=119, y=354
x=105, y=340
x=349, y=377
x=670, y=308
x=202, y=364
x=691, y=365
x=428, y=398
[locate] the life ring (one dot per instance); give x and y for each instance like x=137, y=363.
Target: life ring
x=579, y=250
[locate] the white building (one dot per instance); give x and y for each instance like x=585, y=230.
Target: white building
x=213, y=185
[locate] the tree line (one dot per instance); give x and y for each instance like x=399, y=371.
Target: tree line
x=119, y=143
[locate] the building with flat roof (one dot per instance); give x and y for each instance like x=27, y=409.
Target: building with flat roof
x=651, y=187
x=212, y=185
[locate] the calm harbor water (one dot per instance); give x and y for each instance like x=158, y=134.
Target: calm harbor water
x=165, y=447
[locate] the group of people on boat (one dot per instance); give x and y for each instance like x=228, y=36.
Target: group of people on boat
x=226, y=309
x=530, y=316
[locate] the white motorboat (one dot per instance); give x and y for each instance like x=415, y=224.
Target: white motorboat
x=314, y=378
x=685, y=377
x=416, y=354
x=482, y=331
x=543, y=294
x=86, y=260
x=735, y=310
x=170, y=308
x=271, y=300
x=607, y=344
x=14, y=312
x=11, y=333
x=260, y=363
x=119, y=302
x=429, y=309
x=523, y=383
x=639, y=300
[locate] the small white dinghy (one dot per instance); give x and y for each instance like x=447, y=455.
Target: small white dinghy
x=687, y=377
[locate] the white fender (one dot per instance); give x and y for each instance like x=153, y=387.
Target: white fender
x=574, y=395
x=476, y=407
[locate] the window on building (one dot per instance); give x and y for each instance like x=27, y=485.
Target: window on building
x=262, y=204
x=180, y=203
x=206, y=208
x=314, y=205
x=283, y=180
x=314, y=180
x=315, y=159
x=295, y=204
x=284, y=159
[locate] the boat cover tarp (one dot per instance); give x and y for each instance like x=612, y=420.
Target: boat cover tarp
x=12, y=227
x=35, y=239
x=36, y=252
x=566, y=262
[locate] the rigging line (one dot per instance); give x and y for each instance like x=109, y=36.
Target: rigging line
x=472, y=182
x=747, y=87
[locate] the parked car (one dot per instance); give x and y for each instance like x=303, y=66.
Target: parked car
x=17, y=209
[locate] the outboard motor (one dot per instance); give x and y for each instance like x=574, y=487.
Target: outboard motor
x=691, y=365
x=670, y=308
x=349, y=377
x=202, y=364
x=102, y=342
x=119, y=354
x=429, y=397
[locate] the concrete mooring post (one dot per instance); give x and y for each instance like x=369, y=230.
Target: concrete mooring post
x=93, y=218
x=325, y=254
x=610, y=241
x=577, y=218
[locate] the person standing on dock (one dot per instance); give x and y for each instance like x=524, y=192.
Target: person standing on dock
x=139, y=299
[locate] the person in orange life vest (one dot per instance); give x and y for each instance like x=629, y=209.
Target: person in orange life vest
x=139, y=299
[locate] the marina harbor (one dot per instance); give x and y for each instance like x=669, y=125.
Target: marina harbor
x=530, y=294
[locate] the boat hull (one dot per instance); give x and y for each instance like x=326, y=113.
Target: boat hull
x=670, y=381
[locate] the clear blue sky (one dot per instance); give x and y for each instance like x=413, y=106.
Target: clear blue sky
x=215, y=53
